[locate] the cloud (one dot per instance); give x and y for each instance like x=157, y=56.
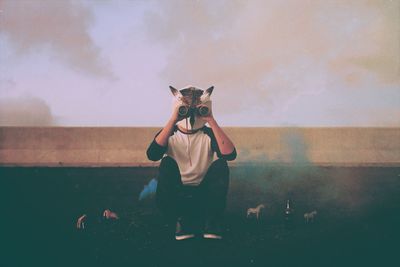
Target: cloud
x=59, y=26
x=7, y=85
x=25, y=111
x=265, y=55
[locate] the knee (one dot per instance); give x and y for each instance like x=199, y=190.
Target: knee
x=220, y=170
x=220, y=164
x=168, y=163
x=168, y=170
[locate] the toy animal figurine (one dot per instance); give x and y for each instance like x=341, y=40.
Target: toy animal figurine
x=256, y=211
x=108, y=214
x=310, y=216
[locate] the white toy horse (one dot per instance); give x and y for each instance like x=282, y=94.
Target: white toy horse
x=310, y=216
x=255, y=211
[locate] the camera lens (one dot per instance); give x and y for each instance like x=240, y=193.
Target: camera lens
x=203, y=111
x=183, y=111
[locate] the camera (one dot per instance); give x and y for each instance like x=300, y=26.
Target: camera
x=203, y=111
x=185, y=111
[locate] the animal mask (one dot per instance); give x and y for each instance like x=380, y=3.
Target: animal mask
x=194, y=103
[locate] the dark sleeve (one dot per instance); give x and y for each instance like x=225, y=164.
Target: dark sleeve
x=215, y=148
x=155, y=151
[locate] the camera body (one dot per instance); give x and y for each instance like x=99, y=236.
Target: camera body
x=185, y=111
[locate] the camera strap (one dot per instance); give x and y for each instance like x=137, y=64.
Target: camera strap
x=188, y=147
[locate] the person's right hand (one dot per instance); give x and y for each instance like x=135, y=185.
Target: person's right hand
x=80, y=223
x=162, y=138
x=175, y=113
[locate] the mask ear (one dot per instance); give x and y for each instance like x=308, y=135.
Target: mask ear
x=206, y=96
x=209, y=91
x=174, y=91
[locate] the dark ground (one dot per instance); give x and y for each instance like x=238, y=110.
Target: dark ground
x=357, y=224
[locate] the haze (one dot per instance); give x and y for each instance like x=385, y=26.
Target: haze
x=273, y=63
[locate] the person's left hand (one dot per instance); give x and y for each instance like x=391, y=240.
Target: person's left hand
x=208, y=118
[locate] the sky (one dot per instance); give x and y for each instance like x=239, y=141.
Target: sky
x=315, y=63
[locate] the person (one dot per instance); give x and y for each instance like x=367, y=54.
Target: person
x=192, y=186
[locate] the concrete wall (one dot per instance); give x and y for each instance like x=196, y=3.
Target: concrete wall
x=92, y=146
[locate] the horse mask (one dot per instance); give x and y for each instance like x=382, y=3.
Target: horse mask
x=194, y=104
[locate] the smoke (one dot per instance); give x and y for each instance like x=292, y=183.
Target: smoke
x=296, y=146
x=25, y=111
x=59, y=26
x=266, y=55
x=308, y=186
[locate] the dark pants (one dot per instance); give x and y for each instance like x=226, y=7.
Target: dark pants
x=207, y=199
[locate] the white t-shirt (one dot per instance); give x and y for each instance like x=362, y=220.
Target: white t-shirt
x=194, y=153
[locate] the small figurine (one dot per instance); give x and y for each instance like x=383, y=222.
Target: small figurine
x=80, y=223
x=107, y=215
x=288, y=211
x=255, y=211
x=310, y=216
